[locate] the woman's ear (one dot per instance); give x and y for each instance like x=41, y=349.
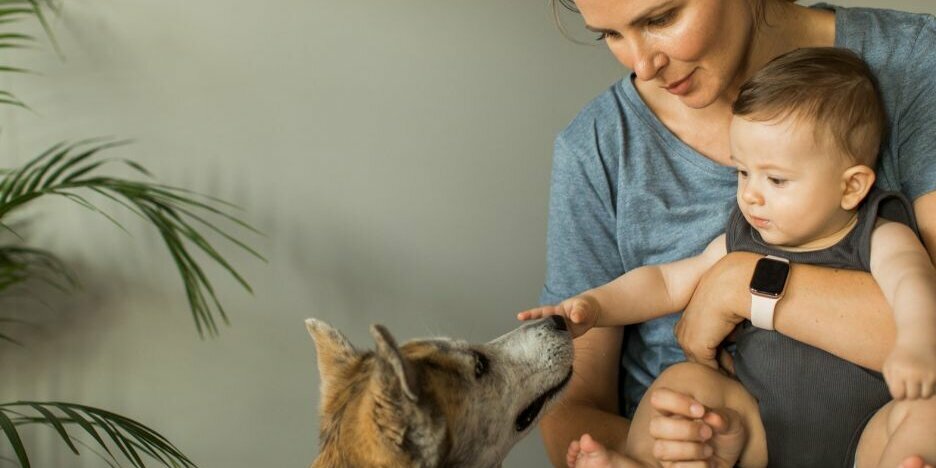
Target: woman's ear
x=857, y=181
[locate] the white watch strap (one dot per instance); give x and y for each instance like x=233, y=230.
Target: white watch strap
x=762, y=311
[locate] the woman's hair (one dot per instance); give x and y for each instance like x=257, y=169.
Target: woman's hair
x=830, y=87
x=758, y=8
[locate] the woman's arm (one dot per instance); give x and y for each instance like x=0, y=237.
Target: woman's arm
x=840, y=311
x=582, y=252
x=590, y=404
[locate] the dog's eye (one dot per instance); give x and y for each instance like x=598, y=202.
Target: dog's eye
x=481, y=365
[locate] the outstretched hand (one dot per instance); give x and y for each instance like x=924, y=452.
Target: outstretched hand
x=581, y=313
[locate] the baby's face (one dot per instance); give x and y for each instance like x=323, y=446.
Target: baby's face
x=790, y=186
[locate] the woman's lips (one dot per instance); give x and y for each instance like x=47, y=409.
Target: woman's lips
x=681, y=87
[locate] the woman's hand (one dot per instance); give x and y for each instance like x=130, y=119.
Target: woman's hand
x=717, y=306
x=686, y=431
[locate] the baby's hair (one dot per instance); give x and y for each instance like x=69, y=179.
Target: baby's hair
x=830, y=87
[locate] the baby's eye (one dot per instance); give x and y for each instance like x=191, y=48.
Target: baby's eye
x=777, y=181
x=741, y=173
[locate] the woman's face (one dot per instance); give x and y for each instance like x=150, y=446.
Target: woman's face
x=692, y=49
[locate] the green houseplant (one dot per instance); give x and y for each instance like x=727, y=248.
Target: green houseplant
x=185, y=221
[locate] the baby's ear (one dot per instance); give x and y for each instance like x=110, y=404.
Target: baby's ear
x=857, y=181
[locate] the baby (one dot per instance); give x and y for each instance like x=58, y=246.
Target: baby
x=804, y=139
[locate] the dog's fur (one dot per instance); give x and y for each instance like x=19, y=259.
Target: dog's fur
x=435, y=402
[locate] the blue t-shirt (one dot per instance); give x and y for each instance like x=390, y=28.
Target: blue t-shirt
x=627, y=192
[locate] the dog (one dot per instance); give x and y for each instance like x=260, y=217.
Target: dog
x=438, y=402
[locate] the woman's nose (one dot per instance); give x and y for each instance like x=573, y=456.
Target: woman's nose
x=648, y=65
x=646, y=60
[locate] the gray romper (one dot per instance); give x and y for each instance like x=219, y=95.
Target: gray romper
x=814, y=405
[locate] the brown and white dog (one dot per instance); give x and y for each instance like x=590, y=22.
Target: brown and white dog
x=438, y=402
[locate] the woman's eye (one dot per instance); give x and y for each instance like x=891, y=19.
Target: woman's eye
x=661, y=20
x=607, y=35
x=481, y=365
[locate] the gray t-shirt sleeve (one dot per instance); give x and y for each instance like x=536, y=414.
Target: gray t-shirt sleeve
x=915, y=127
x=581, y=236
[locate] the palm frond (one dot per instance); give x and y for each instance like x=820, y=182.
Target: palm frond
x=18, y=263
x=16, y=11
x=111, y=431
x=67, y=169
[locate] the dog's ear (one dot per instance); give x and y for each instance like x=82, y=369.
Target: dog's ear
x=400, y=372
x=334, y=351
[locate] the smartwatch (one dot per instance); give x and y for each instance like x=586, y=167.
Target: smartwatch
x=767, y=285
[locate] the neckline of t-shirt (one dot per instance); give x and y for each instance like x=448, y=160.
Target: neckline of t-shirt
x=680, y=148
x=684, y=151
x=840, y=20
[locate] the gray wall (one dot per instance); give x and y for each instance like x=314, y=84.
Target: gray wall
x=396, y=154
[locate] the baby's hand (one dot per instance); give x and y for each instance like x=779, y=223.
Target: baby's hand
x=581, y=312
x=910, y=371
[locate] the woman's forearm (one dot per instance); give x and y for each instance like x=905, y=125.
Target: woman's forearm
x=570, y=419
x=842, y=312
x=590, y=402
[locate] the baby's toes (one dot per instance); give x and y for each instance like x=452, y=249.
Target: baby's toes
x=572, y=453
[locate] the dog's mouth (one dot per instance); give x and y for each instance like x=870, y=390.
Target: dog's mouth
x=531, y=412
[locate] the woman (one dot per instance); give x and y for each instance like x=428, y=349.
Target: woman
x=643, y=176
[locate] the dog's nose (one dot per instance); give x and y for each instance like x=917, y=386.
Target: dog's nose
x=559, y=322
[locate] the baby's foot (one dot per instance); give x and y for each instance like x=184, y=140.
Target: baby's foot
x=915, y=462
x=591, y=454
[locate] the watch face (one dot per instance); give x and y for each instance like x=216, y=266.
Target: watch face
x=770, y=276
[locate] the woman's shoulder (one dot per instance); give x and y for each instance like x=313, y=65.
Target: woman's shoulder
x=607, y=122
x=880, y=34
x=609, y=106
x=897, y=47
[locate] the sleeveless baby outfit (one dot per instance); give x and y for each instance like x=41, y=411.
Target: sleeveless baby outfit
x=814, y=405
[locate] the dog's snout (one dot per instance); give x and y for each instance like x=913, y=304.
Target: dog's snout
x=559, y=322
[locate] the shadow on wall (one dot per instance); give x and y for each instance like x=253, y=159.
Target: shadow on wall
x=52, y=324
x=356, y=277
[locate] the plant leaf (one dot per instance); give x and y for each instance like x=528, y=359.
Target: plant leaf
x=9, y=429
x=134, y=440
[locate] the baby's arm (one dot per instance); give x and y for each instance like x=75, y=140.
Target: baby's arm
x=639, y=295
x=902, y=268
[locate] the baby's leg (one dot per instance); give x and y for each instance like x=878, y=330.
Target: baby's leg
x=687, y=438
x=900, y=429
